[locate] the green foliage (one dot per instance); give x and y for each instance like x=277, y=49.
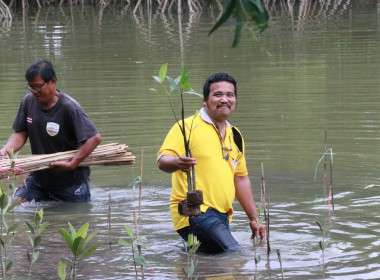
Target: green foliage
x=323, y=244
x=36, y=230
x=244, y=13
x=138, y=259
x=6, y=206
x=191, y=248
x=77, y=242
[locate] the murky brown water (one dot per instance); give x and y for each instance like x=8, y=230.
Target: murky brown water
x=318, y=68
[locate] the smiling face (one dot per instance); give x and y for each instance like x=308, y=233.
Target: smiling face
x=221, y=101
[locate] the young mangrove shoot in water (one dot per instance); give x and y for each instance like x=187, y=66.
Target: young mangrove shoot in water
x=77, y=241
x=36, y=230
x=7, y=228
x=138, y=259
x=191, y=248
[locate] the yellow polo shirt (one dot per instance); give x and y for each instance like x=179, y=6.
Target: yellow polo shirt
x=214, y=174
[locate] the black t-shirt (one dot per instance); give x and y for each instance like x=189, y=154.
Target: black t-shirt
x=60, y=128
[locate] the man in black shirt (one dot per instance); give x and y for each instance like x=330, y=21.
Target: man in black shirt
x=53, y=122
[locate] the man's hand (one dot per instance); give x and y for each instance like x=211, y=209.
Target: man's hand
x=257, y=230
x=3, y=153
x=185, y=163
x=63, y=165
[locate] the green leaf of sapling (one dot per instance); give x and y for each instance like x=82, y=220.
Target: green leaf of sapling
x=62, y=269
x=129, y=231
x=82, y=231
x=319, y=225
x=67, y=237
x=35, y=256
x=173, y=84
x=163, y=71
x=90, y=250
x=140, y=260
x=124, y=243
x=30, y=227
x=43, y=227
x=184, y=76
x=157, y=79
x=78, y=246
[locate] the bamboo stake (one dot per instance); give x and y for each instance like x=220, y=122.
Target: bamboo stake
x=267, y=229
x=262, y=186
x=109, y=220
x=279, y=259
x=137, y=237
x=141, y=178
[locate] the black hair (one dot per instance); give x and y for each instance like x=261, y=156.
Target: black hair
x=218, y=77
x=42, y=68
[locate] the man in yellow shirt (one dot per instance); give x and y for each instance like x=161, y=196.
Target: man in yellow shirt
x=217, y=154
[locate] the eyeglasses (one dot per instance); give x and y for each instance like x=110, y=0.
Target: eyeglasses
x=36, y=88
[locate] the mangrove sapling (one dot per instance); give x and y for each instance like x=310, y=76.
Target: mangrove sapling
x=323, y=244
x=191, y=205
x=35, y=238
x=191, y=248
x=135, y=242
x=7, y=229
x=77, y=241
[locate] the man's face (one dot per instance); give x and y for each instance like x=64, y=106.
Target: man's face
x=41, y=90
x=221, y=101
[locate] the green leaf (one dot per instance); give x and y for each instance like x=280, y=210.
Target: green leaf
x=129, y=231
x=67, y=237
x=184, y=76
x=78, y=246
x=163, y=71
x=134, y=182
x=325, y=244
x=190, y=271
x=62, y=269
x=257, y=259
x=124, y=243
x=157, y=79
x=73, y=231
x=30, y=227
x=88, y=239
x=319, y=225
x=3, y=201
x=229, y=6
x=12, y=228
x=37, y=241
x=35, y=256
x=13, y=205
x=82, y=231
x=43, y=227
x=9, y=266
x=140, y=260
x=90, y=250
x=194, y=93
x=321, y=245
x=173, y=84
x=31, y=241
x=29, y=257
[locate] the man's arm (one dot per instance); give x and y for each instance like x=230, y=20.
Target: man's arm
x=170, y=163
x=16, y=141
x=84, y=151
x=244, y=194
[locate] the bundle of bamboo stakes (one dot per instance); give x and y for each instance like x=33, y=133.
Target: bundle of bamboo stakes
x=109, y=154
